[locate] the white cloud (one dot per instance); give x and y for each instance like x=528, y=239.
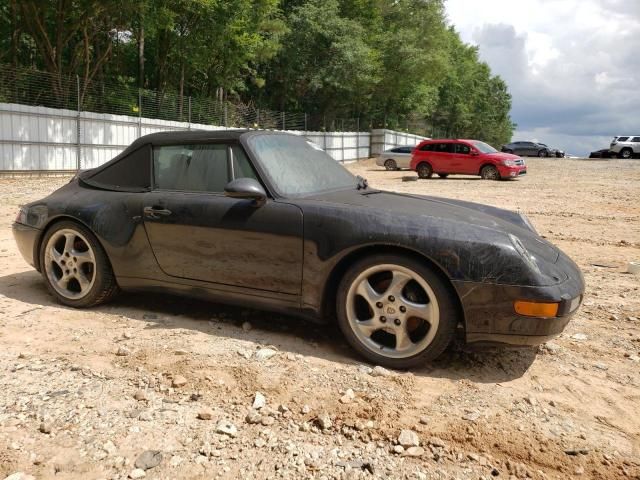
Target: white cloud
x=572, y=66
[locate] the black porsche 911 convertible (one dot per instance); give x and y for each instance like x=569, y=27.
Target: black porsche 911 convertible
x=269, y=220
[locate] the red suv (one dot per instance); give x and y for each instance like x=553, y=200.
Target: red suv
x=467, y=157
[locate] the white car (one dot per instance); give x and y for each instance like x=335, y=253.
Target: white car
x=395, y=158
x=626, y=146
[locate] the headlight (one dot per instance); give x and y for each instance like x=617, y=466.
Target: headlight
x=524, y=253
x=22, y=215
x=509, y=163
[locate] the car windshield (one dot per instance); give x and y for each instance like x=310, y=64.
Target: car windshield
x=484, y=147
x=298, y=167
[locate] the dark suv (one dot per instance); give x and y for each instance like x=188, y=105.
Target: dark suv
x=531, y=149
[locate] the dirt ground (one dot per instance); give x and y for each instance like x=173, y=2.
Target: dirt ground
x=86, y=392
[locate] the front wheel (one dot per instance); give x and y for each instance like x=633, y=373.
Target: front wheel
x=391, y=164
x=489, y=172
x=75, y=267
x=396, y=311
x=543, y=153
x=424, y=170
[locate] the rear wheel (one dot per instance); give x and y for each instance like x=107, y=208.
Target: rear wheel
x=443, y=175
x=75, y=267
x=626, y=153
x=395, y=311
x=424, y=170
x=391, y=164
x=489, y=172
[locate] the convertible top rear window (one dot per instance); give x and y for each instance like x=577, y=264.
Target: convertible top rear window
x=131, y=172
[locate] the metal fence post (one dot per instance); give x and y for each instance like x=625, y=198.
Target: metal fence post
x=78, y=151
x=139, y=112
x=225, y=113
x=189, y=124
x=284, y=125
x=357, y=138
x=305, y=122
x=257, y=118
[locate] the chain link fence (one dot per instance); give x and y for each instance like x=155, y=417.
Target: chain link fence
x=56, y=122
x=120, y=96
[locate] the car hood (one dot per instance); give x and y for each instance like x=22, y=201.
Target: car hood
x=503, y=155
x=415, y=207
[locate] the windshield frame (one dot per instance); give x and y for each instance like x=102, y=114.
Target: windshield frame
x=475, y=145
x=272, y=188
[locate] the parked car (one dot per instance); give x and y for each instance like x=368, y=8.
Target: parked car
x=604, y=153
x=625, y=146
x=467, y=157
x=527, y=149
x=268, y=220
x=553, y=152
x=395, y=158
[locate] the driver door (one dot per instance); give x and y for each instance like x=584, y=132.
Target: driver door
x=198, y=233
x=465, y=161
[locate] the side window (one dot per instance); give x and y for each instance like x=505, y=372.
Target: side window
x=427, y=147
x=443, y=148
x=406, y=149
x=635, y=139
x=623, y=139
x=192, y=168
x=241, y=166
x=462, y=149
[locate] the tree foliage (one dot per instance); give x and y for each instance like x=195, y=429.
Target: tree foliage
x=378, y=60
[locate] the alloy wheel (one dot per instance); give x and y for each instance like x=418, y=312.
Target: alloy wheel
x=490, y=173
x=391, y=165
x=70, y=264
x=392, y=310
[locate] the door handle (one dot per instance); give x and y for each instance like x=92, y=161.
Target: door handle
x=156, y=212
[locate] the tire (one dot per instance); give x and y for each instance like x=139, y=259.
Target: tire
x=489, y=172
x=543, y=153
x=424, y=170
x=75, y=267
x=625, y=153
x=376, y=338
x=390, y=164
x=443, y=175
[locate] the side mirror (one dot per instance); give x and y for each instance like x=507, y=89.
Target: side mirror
x=474, y=152
x=247, y=188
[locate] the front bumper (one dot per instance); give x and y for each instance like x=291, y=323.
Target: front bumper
x=26, y=238
x=490, y=317
x=512, y=172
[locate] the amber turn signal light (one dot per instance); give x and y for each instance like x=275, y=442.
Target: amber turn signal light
x=536, y=309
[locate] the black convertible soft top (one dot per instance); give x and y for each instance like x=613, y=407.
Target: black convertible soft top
x=130, y=170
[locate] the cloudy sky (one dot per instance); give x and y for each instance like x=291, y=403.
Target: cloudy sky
x=572, y=66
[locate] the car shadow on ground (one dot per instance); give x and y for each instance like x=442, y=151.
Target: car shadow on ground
x=286, y=333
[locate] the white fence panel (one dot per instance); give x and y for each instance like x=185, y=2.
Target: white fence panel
x=39, y=138
x=383, y=139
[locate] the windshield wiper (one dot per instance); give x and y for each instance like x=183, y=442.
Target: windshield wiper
x=362, y=183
